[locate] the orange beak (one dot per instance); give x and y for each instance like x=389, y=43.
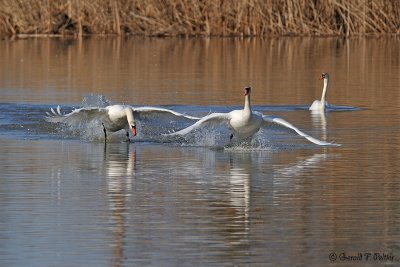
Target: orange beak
x=133, y=130
x=321, y=77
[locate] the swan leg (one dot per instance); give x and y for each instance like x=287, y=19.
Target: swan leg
x=105, y=132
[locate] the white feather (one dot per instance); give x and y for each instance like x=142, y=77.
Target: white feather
x=245, y=123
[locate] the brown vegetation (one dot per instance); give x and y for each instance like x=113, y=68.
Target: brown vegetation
x=200, y=17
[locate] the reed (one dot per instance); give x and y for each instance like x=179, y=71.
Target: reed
x=200, y=18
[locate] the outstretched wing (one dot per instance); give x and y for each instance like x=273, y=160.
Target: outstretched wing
x=77, y=116
x=161, y=111
x=211, y=119
x=282, y=122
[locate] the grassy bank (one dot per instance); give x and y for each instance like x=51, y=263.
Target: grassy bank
x=200, y=18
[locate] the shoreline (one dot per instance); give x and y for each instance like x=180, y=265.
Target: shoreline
x=196, y=18
x=76, y=36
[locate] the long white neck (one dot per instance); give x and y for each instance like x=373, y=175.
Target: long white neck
x=324, y=91
x=247, y=106
x=129, y=116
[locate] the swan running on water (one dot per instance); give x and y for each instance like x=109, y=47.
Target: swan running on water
x=245, y=123
x=113, y=118
x=318, y=105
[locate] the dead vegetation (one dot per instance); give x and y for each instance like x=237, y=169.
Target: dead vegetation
x=199, y=17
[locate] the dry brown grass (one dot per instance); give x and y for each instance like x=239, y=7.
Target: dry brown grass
x=200, y=17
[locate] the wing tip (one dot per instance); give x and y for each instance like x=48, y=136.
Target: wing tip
x=327, y=144
x=335, y=144
x=53, y=114
x=172, y=134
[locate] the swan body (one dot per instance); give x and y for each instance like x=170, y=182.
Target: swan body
x=317, y=105
x=117, y=118
x=245, y=123
x=244, y=126
x=321, y=105
x=113, y=118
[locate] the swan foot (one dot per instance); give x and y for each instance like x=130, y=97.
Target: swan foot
x=127, y=137
x=105, y=132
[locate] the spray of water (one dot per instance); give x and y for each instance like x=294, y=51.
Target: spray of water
x=95, y=101
x=152, y=129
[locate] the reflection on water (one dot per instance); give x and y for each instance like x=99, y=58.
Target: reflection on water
x=201, y=71
x=319, y=121
x=142, y=204
x=218, y=213
x=294, y=170
x=68, y=202
x=120, y=167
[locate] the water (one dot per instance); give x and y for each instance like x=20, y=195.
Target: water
x=68, y=199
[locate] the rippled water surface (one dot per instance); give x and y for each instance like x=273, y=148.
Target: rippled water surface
x=69, y=199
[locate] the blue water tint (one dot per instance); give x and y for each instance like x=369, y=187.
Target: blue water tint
x=67, y=198
x=27, y=121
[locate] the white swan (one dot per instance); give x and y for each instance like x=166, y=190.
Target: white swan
x=320, y=105
x=245, y=123
x=113, y=118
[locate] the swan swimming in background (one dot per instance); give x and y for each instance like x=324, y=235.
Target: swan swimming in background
x=321, y=105
x=245, y=123
x=113, y=118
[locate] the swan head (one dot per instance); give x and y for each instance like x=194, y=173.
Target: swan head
x=131, y=120
x=324, y=76
x=247, y=90
x=132, y=125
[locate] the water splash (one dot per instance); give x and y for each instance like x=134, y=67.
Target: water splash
x=28, y=122
x=95, y=101
x=219, y=138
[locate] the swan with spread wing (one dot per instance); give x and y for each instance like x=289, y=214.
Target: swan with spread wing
x=113, y=118
x=245, y=123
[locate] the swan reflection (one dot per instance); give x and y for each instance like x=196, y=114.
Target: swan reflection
x=214, y=188
x=120, y=169
x=301, y=166
x=319, y=121
x=239, y=188
x=244, y=181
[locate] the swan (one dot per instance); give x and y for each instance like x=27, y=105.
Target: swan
x=245, y=123
x=320, y=105
x=113, y=118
